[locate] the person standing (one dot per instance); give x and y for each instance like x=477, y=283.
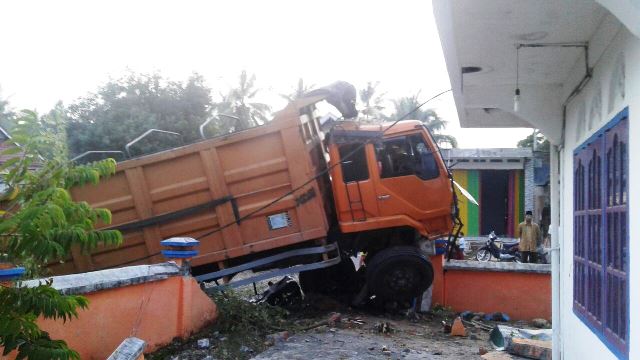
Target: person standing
x=461, y=247
x=529, y=234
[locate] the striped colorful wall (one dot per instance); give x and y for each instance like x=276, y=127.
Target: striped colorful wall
x=516, y=200
x=470, y=213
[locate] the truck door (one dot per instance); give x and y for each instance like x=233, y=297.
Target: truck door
x=411, y=183
x=353, y=186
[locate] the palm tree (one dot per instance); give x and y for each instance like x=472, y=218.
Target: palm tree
x=238, y=103
x=372, y=102
x=428, y=117
x=298, y=92
x=6, y=115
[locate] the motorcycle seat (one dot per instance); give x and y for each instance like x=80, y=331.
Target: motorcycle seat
x=510, y=244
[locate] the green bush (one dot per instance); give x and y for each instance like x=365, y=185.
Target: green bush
x=40, y=224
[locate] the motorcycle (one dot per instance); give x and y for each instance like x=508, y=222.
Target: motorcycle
x=508, y=252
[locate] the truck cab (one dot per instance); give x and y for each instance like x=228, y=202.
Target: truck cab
x=389, y=176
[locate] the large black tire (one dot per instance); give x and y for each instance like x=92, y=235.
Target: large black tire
x=399, y=273
x=334, y=280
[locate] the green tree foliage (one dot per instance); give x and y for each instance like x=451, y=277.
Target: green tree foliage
x=240, y=103
x=298, y=92
x=7, y=116
x=542, y=143
x=123, y=109
x=40, y=225
x=428, y=117
x=372, y=103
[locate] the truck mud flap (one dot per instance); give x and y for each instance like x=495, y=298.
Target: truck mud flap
x=331, y=250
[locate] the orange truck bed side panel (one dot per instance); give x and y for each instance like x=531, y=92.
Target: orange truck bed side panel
x=254, y=166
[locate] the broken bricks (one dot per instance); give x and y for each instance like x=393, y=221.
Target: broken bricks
x=534, y=349
x=277, y=337
x=458, y=329
x=384, y=327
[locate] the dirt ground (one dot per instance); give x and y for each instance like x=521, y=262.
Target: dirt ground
x=409, y=339
x=358, y=334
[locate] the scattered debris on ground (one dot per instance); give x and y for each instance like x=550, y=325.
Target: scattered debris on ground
x=318, y=326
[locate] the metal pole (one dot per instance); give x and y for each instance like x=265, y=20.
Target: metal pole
x=556, y=268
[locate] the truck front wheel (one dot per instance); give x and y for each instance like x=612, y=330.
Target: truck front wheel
x=400, y=272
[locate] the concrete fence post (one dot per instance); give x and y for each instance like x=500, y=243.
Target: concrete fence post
x=180, y=250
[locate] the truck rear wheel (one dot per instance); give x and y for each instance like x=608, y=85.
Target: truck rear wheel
x=400, y=272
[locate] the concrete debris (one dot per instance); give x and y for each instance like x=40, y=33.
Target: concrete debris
x=458, y=329
x=502, y=335
x=540, y=323
x=482, y=351
x=534, y=349
x=497, y=355
x=246, y=349
x=203, y=343
x=334, y=319
x=131, y=348
x=277, y=337
x=446, y=328
x=383, y=327
x=355, y=321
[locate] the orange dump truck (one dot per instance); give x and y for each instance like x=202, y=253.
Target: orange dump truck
x=288, y=196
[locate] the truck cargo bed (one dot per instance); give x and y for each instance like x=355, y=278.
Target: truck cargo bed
x=216, y=187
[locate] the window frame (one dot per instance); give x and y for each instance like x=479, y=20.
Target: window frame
x=593, y=239
x=355, y=147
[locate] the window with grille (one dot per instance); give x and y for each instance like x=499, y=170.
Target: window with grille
x=601, y=234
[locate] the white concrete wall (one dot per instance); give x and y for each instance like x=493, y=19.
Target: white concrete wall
x=610, y=46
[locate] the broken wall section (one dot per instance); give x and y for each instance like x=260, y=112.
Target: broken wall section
x=155, y=303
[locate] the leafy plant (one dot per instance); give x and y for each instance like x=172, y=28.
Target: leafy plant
x=429, y=118
x=41, y=224
x=298, y=92
x=237, y=314
x=542, y=143
x=241, y=105
x=372, y=103
x=124, y=108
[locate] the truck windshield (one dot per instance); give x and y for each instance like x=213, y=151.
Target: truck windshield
x=406, y=155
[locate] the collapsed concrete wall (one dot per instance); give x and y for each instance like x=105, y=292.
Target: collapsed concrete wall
x=155, y=303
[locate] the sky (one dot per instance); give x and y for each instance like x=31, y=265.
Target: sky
x=62, y=50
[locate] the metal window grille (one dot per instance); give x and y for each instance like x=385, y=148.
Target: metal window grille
x=601, y=234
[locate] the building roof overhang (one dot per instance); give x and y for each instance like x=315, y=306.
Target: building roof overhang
x=479, y=41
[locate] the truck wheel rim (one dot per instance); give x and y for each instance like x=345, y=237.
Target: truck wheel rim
x=402, y=279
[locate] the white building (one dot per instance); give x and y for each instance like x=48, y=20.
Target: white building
x=578, y=71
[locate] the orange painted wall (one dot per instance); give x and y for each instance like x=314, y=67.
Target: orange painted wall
x=155, y=312
x=522, y=296
x=437, y=293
